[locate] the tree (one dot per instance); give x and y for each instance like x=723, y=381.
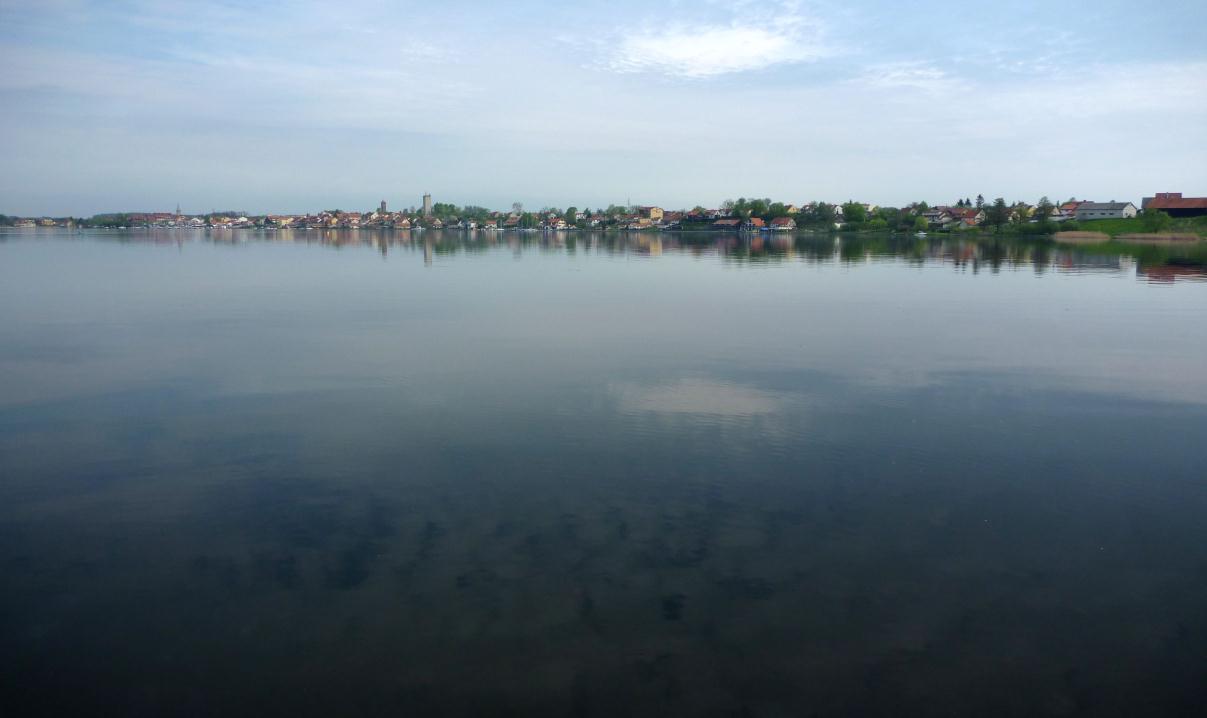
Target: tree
x=980, y=201
x=854, y=213
x=1154, y=220
x=824, y=214
x=572, y=215
x=1044, y=209
x=517, y=207
x=920, y=224
x=998, y=214
x=777, y=209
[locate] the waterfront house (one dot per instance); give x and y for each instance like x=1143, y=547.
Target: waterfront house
x=783, y=224
x=653, y=214
x=967, y=216
x=1105, y=210
x=727, y=224
x=1175, y=205
x=671, y=219
x=939, y=217
x=754, y=224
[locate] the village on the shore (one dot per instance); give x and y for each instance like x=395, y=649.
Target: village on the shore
x=743, y=215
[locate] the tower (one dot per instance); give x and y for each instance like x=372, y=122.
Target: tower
x=383, y=208
x=427, y=205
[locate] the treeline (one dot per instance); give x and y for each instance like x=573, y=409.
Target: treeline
x=854, y=216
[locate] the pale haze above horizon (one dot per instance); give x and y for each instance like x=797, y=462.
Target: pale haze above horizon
x=299, y=106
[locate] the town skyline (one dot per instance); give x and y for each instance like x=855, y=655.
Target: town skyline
x=426, y=204
x=283, y=108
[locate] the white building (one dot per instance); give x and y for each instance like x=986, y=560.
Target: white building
x=1105, y=210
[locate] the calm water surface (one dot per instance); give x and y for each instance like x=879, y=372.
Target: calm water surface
x=598, y=476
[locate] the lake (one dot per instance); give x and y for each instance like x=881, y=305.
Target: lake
x=322, y=473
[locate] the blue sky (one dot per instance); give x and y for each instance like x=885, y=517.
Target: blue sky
x=290, y=106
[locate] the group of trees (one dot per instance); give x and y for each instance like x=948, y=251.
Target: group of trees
x=820, y=214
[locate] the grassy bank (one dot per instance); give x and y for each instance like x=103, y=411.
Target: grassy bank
x=1116, y=227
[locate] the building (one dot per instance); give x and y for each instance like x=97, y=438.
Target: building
x=1069, y=209
x=754, y=224
x=1105, y=210
x=968, y=216
x=654, y=214
x=730, y=224
x=382, y=209
x=427, y=205
x=783, y=224
x=1175, y=205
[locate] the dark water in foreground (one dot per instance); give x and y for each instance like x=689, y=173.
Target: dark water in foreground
x=599, y=477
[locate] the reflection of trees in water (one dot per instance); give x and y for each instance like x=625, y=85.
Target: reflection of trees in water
x=964, y=252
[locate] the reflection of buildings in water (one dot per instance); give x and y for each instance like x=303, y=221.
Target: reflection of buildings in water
x=1170, y=273
x=1106, y=263
x=428, y=252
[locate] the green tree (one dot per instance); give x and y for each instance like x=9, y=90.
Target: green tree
x=920, y=224
x=980, y=201
x=854, y=213
x=824, y=214
x=777, y=209
x=1154, y=220
x=1044, y=208
x=572, y=215
x=998, y=214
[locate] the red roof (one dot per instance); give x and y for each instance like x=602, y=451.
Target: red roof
x=756, y=221
x=782, y=221
x=1175, y=200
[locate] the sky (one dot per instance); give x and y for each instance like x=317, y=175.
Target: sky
x=295, y=105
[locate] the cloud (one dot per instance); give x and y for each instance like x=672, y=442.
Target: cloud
x=761, y=40
x=909, y=75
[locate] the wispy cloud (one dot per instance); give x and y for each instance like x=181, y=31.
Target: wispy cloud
x=914, y=75
x=777, y=34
